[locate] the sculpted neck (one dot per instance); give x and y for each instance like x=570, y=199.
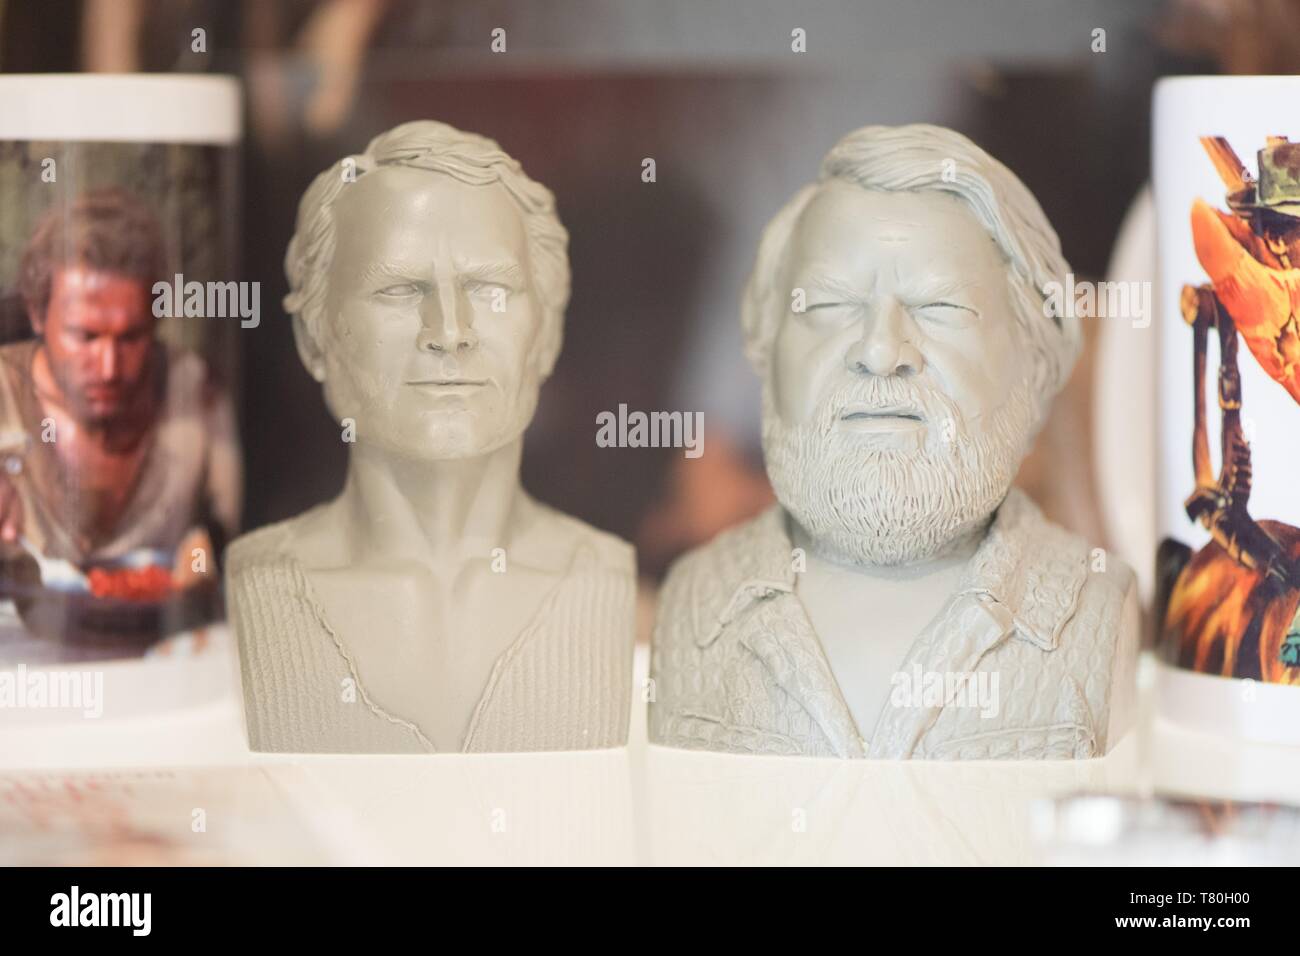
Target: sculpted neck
x=437, y=513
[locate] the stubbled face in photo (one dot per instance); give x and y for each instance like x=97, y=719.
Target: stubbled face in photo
x=898, y=405
x=432, y=319
x=98, y=333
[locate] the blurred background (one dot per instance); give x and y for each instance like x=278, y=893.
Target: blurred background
x=735, y=120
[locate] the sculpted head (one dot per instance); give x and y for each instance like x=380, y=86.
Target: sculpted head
x=428, y=278
x=897, y=317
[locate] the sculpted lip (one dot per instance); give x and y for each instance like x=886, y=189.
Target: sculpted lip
x=882, y=414
x=449, y=382
x=881, y=419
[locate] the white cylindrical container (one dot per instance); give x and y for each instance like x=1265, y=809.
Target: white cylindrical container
x=1227, y=190
x=119, y=200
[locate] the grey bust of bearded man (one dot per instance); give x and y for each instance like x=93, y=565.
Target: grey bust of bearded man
x=901, y=599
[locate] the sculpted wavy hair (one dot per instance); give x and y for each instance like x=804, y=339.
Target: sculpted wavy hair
x=916, y=158
x=438, y=148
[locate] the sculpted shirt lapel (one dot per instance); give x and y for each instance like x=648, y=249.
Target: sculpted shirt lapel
x=1024, y=582
x=780, y=635
x=774, y=627
x=969, y=626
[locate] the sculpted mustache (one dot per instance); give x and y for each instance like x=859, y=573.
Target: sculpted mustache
x=892, y=393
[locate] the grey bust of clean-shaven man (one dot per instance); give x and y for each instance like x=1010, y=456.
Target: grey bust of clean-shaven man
x=901, y=600
x=433, y=605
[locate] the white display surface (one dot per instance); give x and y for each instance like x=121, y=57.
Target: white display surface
x=652, y=805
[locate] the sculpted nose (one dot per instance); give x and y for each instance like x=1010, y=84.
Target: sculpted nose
x=885, y=346
x=446, y=321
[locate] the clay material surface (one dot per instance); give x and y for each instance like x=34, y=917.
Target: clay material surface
x=432, y=606
x=901, y=600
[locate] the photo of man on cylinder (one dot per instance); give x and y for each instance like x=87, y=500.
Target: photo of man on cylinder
x=120, y=456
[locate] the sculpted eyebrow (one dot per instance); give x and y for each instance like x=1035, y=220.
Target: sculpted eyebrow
x=385, y=271
x=940, y=288
x=478, y=271
x=492, y=272
x=835, y=287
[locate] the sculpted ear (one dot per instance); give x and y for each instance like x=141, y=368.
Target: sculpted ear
x=549, y=346
x=309, y=349
x=761, y=299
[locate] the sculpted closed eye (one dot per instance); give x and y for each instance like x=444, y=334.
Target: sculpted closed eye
x=950, y=313
x=401, y=290
x=829, y=312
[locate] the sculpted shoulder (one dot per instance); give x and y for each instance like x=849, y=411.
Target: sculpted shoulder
x=265, y=547
x=1091, y=667
x=1112, y=583
x=313, y=532
x=1106, y=582
x=1093, y=619
x=612, y=552
x=1101, y=644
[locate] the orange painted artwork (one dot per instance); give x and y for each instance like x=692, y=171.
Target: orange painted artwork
x=1230, y=608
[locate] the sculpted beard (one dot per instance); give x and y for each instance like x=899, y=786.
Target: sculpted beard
x=887, y=506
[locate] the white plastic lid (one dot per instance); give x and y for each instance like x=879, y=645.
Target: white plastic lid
x=120, y=107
